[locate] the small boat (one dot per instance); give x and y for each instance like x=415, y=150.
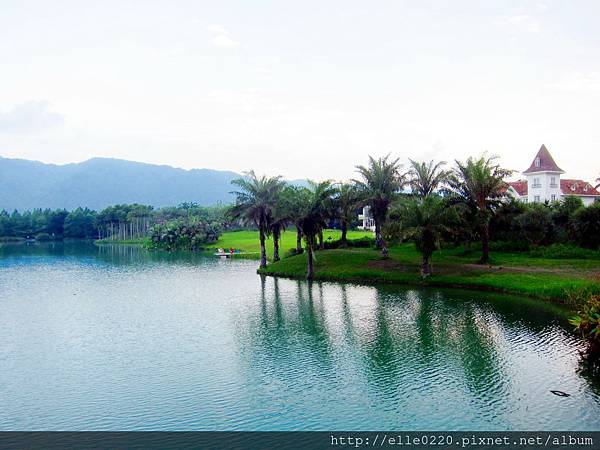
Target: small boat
x=225, y=254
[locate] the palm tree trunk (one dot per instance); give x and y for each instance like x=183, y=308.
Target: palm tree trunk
x=344, y=240
x=384, y=249
x=425, y=266
x=485, y=243
x=378, y=238
x=276, y=234
x=310, y=269
x=263, y=250
x=298, y=239
x=321, y=242
x=380, y=241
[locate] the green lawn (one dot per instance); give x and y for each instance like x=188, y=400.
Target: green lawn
x=517, y=274
x=247, y=241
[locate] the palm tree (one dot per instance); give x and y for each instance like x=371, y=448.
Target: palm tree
x=346, y=201
x=426, y=220
x=479, y=183
x=254, y=204
x=380, y=185
x=277, y=224
x=426, y=177
x=293, y=199
x=315, y=211
x=278, y=218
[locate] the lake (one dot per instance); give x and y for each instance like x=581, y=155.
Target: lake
x=117, y=338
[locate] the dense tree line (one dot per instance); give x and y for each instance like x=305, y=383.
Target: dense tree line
x=427, y=204
x=118, y=222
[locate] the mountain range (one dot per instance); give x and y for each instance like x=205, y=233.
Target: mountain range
x=100, y=182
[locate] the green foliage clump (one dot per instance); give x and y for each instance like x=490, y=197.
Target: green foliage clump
x=587, y=322
x=191, y=234
x=564, y=251
x=364, y=242
x=586, y=224
x=80, y=223
x=534, y=225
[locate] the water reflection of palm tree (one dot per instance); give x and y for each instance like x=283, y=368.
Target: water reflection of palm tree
x=282, y=333
x=311, y=321
x=482, y=366
x=347, y=316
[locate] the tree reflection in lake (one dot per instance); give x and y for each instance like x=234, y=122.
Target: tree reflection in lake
x=495, y=355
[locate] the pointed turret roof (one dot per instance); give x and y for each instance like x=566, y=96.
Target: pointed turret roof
x=543, y=162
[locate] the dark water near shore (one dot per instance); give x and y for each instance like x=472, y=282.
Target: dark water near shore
x=116, y=338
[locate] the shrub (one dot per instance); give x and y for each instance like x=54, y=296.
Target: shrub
x=507, y=246
x=190, y=234
x=562, y=216
x=363, y=242
x=587, y=322
x=501, y=222
x=586, y=226
x=535, y=225
x=564, y=251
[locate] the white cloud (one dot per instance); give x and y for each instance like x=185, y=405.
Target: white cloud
x=221, y=37
x=30, y=117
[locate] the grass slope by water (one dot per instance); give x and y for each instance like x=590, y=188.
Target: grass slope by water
x=248, y=242
x=511, y=273
x=517, y=273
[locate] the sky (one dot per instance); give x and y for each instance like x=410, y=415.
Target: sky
x=303, y=89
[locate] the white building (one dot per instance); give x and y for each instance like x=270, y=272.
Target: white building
x=543, y=183
x=367, y=221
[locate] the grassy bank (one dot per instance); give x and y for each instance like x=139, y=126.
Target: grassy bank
x=247, y=241
x=511, y=273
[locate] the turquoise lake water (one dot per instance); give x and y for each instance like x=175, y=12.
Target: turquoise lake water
x=116, y=338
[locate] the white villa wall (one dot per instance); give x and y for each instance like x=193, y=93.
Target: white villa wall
x=545, y=189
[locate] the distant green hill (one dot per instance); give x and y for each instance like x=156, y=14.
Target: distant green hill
x=100, y=182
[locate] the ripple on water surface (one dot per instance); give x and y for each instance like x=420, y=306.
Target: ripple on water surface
x=118, y=338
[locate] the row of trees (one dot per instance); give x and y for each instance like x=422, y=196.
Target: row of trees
x=427, y=204
x=48, y=224
x=118, y=222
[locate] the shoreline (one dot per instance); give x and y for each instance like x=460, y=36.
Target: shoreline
x=554, y=281
x=366, y=268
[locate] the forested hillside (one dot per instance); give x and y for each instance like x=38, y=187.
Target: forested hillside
x=100, y=182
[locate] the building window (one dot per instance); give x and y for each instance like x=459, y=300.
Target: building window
x=536, y=182
x=537, y=162
x=536, y=199
x=553, y=197
x=553, y=182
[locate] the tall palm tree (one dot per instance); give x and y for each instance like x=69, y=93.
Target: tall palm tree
x=254, y=204
x=346, y=201
x=479, y=183
x=426, y=177
x=315, y=211
x=380, y=185
x=278, y=218
x=426, y=219
x=293, y=199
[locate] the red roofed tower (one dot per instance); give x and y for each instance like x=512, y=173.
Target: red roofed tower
x=543, y=178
